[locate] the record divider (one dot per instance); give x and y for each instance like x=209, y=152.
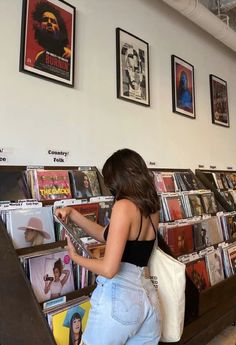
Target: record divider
x=208, y=312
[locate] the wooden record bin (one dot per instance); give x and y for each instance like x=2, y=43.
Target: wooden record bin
x=208, y=312
x=21, y=318
x=23, y=322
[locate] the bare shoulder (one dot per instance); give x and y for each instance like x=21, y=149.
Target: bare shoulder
x=125, y=205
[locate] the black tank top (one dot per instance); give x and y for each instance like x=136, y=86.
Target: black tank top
x=136, y=252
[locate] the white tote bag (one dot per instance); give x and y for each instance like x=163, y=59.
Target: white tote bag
x=168, y=275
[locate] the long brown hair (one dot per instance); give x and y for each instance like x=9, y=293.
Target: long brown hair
x=127, y=176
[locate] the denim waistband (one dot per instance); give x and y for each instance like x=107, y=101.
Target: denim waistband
x=132, y=271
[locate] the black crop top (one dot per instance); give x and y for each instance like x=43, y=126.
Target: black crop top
x=136, y=252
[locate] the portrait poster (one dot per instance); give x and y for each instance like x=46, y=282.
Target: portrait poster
x=183, y=93
x=47, y=40
x=132, y=68
x=219, y=101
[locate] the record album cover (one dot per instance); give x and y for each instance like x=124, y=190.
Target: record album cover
x=51, y=184
x=13, y=186
x=211, y=228
x=85, y=183
x=209, y=203
x=180, y=239
x=197, y=272
x=215, y=267
x=51, y=275
x=175, y=207
x=169, y=181
x=159, y=183
x=68, y=325
x=31, y=226
x=196, y=204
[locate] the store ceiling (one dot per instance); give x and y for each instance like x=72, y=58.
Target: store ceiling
x=225, y=8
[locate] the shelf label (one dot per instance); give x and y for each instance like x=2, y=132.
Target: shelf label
x=4, y=154
x=58, y=156
x=151, y=164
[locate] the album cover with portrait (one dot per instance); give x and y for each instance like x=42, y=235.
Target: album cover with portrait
x=175, y=207
x=211, y=228
x=180, y=239
x=31, y=226
x=13, y=186
x=200, y=238
x=196, y=204
x=197, y=272
x=215, y=266
x=209, y=203
x=51, y=275
x=231, y=225
x=50, y=184
x=104, y=212
x=69, y=324
x=85, y=183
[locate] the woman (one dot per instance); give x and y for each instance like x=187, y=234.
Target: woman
x=34, y=233
x=75, y=329
x=184, y=96
x=124, y=304
x=83, y=186
x=55, y=285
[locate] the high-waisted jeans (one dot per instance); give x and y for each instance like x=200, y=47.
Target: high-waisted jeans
x=124, y=310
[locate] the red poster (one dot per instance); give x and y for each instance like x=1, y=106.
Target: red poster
x=47, y=47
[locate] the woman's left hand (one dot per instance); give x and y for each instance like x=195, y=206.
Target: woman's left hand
x=70, y=248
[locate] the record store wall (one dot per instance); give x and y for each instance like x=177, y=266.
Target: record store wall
x=88, y=121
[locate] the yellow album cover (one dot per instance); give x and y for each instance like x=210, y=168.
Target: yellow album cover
x=69, y=325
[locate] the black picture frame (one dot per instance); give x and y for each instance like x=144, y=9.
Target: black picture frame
x=48, y=40
x=183, y=87
x=219, y=101
x=132, y=68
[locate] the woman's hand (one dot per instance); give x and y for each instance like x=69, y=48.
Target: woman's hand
x=63, y=213
x=70, y=248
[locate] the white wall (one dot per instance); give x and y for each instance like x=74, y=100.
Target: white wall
x=88, y=120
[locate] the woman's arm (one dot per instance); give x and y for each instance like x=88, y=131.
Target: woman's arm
x=119, y=229
x=66, y=276
x=91, y=228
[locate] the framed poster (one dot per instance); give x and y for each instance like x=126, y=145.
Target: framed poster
x=47, y=40
x=219, y=101
x=132, y=61
x=183, y=93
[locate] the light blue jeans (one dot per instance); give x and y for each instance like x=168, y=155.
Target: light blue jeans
x=124, y=310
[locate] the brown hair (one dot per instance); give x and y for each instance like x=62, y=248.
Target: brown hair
x=127, y=176
x=58, y=265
